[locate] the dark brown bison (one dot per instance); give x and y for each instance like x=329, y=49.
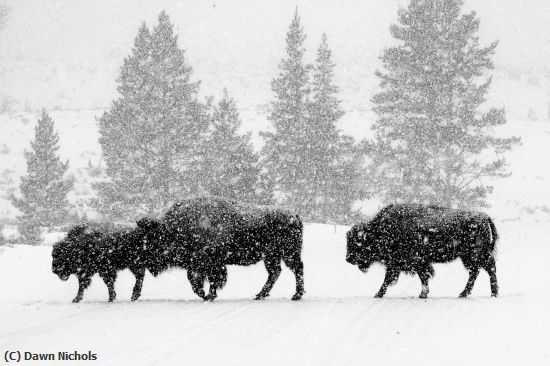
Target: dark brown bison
x=165, y=249
x=88, y=250
x=208, y=233
x=411, y=237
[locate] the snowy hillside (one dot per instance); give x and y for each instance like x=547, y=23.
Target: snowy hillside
x=523, y=193
x=337, y=323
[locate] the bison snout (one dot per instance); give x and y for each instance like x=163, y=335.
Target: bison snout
x=363, y=269
x=351, y=259
x=60, y=273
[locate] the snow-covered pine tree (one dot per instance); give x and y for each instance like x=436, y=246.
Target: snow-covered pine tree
x=285, y=153
x=332, y=167
x=232, y=165
x=44, y=189
x=430, y=132
x=153, y=135
x=312, y=166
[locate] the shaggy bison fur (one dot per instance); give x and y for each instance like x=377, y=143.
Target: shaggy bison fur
x=88, y=250
x=206, y=234
x=166, y=249
x=411, y=237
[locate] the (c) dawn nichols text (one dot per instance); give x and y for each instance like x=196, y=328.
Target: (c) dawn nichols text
x=59, y=356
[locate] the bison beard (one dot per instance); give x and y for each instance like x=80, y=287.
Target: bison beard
x=410, y=238
x=216, y=232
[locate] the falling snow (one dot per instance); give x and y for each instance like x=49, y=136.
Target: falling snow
x=188, y=172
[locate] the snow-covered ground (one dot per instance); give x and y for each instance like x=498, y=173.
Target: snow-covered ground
x=337, y=323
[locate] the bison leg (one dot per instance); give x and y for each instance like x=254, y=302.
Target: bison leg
x=273, y=267
x=109, y=280
x=424, y=277
x=139, y=274
x=297, y=266
x=491, y=269
x=299, y=274
x=217, y=279
x=471, y=280
x=83, y=283
x=212, y=293
x=197, y=283
x=391, y=277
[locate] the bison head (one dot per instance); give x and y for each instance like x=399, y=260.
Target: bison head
x=63, y=265
x=360, y=247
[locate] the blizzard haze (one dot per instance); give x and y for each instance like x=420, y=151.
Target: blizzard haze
x=68, y=53
x=65, y=56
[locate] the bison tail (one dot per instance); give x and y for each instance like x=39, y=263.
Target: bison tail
x=292, y=242
x=296, y=227
x=489, y=234
x=494, y=234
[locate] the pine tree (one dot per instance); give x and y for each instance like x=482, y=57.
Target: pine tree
x=152, y=137
x=332, y=159
x=285, y=151
x=44, y=190
x=430, y=131
x=232, y=165
x=311, y=164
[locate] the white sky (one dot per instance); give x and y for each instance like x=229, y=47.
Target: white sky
x=225, y=40
x=78, y=28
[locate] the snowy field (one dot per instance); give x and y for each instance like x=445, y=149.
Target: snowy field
x=337, y=323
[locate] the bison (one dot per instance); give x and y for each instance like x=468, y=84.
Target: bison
x=87, y=250
x=165, y=249
x=411, y=237
x=208, y=233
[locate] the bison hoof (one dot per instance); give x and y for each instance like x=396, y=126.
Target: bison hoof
x=463, y=294
x=209, y=298
x=494, y=294
x=76, y=299
x=134, y=297
x=378, y=296
x=260, y=296
x=423, y=296
x=296, y=297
